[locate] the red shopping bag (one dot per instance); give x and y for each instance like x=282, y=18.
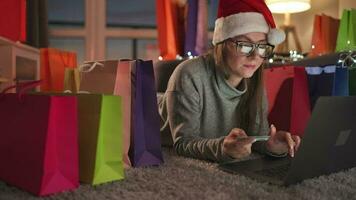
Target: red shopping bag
x=170, y=26
x=288, y=97
x=13, y=19
x=324, y=35
x=53, y=64
x=38, y=145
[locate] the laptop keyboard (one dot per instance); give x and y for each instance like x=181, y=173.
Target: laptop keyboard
x=278, y=171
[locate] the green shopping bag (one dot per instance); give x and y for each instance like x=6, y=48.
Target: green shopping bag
x=346, y=39
x=346, y=43
x=352, y=29
x=100, y=138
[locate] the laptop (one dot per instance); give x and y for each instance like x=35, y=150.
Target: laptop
x=328, y=146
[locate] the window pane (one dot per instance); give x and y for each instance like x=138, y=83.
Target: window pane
x=118, y=49
x=66, y=13
x=70, y=44
x=147, y=49
x=131, y=13
x=212, y=13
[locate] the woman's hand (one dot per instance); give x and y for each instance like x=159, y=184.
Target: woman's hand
x=237, y=144
x=281, y=142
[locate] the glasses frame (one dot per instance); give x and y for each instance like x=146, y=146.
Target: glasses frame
x=254, y=47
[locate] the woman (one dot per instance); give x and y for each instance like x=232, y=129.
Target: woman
x=215, y=104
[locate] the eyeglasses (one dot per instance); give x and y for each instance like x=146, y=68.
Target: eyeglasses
x=247, y=48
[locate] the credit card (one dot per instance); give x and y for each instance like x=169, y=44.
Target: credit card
x=261, y=138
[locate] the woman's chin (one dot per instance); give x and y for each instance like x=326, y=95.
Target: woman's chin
x=247, y=73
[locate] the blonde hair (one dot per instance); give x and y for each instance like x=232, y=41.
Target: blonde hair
x=251, y=103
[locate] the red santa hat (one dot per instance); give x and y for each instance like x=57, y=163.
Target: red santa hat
x=237, y=17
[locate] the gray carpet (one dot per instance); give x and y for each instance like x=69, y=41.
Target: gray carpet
x=183, y=178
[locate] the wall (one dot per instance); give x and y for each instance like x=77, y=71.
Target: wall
x=304, y=20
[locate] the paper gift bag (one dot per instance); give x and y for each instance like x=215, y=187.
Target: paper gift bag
x=123, y=89
x=191, y=28
x=100, y=138
x=53, y=64
x=170, y=27
x=13, y=19
x=320, y=82
x=110, y=77
x=145, y=147
x=38, y=145
x=324, y=35
x=346, y=39
x=341, y=82
x=327, y=81
x=71, y=80
x=287, y=93
x=98, y=76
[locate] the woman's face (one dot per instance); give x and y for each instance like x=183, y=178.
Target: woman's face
x=242, y=65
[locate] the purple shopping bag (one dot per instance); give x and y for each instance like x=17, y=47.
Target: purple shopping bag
x=145, y=146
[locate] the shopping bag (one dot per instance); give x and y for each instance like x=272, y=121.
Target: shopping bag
x=100, y=138
x=287, y=93
x=170, y=27
x=98, y=76
x=114, y=78
x=191, y=28
x=326, y=81
x=352, y=29
x=346, y=39
x=13, y=20
x=39, y=144
x=53, y=64
x=123, y=89
x=71, y=80
x=145, y=147
x=347, y=61
x=324, y=35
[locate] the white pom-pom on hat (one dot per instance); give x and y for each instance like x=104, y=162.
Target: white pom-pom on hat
x=276, y=36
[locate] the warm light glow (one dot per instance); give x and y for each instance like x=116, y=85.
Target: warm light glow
x=288, y=6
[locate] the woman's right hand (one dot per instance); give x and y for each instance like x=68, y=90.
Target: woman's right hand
x=237, y=144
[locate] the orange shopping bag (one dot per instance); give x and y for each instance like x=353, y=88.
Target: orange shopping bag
x=53, y=64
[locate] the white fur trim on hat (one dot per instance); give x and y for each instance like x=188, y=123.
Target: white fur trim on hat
x=242, y=23
x=276, y=36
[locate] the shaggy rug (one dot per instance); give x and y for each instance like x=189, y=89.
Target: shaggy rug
x=184, y=178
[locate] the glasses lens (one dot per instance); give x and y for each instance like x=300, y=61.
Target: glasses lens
x=245, y=48
x=265, y=50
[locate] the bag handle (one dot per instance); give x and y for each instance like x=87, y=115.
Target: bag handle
x=86, y=67
x=347, y=59
x=25, y=86
x=79, y=92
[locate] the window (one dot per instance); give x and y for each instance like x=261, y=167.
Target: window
x=66, y=13
x=134, y=13
x=108, y=29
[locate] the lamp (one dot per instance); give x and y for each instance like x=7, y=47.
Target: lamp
x=287, y=7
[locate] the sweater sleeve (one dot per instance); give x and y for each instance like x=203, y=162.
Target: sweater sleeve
x=184, y=118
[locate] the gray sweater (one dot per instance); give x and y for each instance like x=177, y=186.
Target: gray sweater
x=200, y=108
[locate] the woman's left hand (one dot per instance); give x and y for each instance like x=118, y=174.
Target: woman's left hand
x=281, y=142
